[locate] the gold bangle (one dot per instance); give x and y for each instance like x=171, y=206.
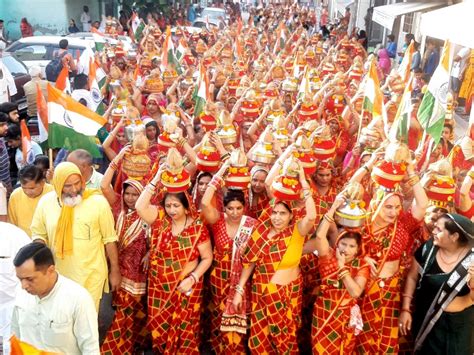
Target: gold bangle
x=471, y=174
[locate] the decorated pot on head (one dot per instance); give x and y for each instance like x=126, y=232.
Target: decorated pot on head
x=280, y=131
x=250, y=106
x=208, y=158
x=389, y=172
x=238, y=176
x=175, y=178
x=439, y=184
x=136, y=163
x=169, y=75
x=275, y=110
x=207, y=117
x=287, y=186
x=290, y=85
x=304, y=153
x=133, y=123
x=226, y=130
x=324, y=146
x=153, y=82
x=308, y=110
x=278, y=72
x=352, y=213
x=262, y=151
x=166, y=139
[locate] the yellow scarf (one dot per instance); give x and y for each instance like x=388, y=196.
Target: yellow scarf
x=63, y=236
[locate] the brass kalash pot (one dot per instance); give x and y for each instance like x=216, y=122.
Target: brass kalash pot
x=352, y=213
x=136, y=163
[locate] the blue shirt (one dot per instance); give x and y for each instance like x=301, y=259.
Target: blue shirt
x=392, y=49
x=431, y=63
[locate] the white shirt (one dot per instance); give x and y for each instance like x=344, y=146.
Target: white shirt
x=95, y=180
x=6, y=82
x=85, y=20
x=65, y=321
x=83, y=94
x=12, y=239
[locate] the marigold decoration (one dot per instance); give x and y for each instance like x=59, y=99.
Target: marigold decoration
x=287, y=186
x=208, y=158
x=388, y=173
x=175, y=178
x=238, y=176
x=352, y=213
x=305, y=155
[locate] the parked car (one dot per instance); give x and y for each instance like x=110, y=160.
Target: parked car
x=126, y=40
x=215, y=13
x=19, y=71
x=202, y=22
x=39, y=50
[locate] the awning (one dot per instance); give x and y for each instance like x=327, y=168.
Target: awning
x=453, y=22
x=342, y=4
x=385, y=15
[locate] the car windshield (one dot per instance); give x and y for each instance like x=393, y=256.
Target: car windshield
x=213, y=14
x=14, y=66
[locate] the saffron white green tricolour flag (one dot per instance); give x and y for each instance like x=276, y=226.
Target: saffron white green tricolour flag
x=182, y=48
x=72, y=125
x=97, y=79
x=432, y=109
x=304, y=88
x=201, y=92
x=401, y=124
x=168, y=55
x=373, y=96
x=42, y=117
x=137, y=27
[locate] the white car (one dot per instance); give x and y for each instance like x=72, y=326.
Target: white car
x=214, y=13
x=126, y=41
x=39, y=50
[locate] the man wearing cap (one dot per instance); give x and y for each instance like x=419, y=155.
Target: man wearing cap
x=76, y=222
x=31, y=90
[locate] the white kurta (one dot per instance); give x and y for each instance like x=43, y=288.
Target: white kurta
x=65, y=321
x=12, y=239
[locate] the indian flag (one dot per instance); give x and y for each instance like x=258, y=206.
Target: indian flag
x=281, y=38
x=373, y=96
x=296, y=67
x=432, y=109
x=42, y=117
x=98, y=39
x=401, y=124
x=137, y=27
x=304, y=88
x=97, y=80
x=62, y=82
x=26, y=148
x=201, y=92
x=404, y=70
x=19, y=347
x=168, y=56
x=72, y=125
x=182, y=48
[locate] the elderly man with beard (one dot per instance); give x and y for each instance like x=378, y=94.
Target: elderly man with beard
x=76, y=223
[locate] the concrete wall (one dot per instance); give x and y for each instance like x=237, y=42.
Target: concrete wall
x=48, y=17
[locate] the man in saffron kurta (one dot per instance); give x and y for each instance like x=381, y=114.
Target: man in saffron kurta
x=87, y=225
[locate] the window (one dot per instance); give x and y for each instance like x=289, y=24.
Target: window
x=408, y=23
x=14, y=66
x=31, y=52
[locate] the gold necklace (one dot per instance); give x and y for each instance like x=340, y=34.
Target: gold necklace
x=452, y=262
x=184, y=226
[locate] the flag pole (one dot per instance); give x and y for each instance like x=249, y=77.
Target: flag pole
x=50, y=156
x=360, y=124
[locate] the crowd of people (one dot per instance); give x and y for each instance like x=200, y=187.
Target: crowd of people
x=249, y=197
